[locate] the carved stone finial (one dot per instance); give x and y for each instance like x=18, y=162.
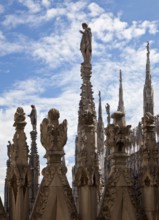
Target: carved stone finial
x=118, y=135
x=118, y=139
x=148, y=119
x=19, y=148
x=19, y=119
x=53, y=116
x=118, y=117
x=53, y=134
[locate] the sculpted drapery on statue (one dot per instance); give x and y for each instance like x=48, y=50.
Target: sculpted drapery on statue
x=86, y=44
x=33, y=117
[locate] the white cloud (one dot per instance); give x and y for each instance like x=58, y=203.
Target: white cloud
x=37, y=15
x=46, y=3
x=95, y=10
x=58, y=48
x=152, y=26
x=52, y=12
x=2, y=37
x=1, y=9
x=8, y=47
x=138, y=29
x=22, y=92
x=107, y=27
x=14, y=20
x=32, y=6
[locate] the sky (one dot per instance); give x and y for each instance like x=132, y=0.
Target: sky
x=40, y=61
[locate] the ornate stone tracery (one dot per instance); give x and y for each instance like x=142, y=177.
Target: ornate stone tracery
x=19, y=173
x=129, y=161
x=53, y=138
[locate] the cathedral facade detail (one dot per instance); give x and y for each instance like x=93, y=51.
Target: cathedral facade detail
x=116, y=170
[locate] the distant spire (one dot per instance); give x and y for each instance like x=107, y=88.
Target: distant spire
x=121, y=100
x=99, y=107
x=100, y=139
x=148, y=75
x=100, y=127
x=148, y=89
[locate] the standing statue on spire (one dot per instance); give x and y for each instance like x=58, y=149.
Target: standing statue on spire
x=86, y=44
x=148, y=48
x=33, y=117
x=107, y=107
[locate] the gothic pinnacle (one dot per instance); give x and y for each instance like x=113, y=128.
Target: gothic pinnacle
x=100, y=127
x=148, y=75
x=87, y=105
x=100, y=107
x=121, y=100
x=148, y=89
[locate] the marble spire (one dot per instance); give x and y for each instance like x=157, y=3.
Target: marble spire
x=121, y=99
x=148, y=93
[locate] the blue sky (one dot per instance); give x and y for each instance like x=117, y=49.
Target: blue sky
x=40, y=60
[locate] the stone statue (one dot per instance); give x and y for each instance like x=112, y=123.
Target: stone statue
x=148, y=48
x=148, y=119
x=19, y=119
x=53, y=133
x=107, y=107
x=86, y=44
x=33, y=117
x=9, y=149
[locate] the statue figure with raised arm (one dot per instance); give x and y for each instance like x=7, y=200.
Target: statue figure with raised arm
x=33, y=117
x=86, y=44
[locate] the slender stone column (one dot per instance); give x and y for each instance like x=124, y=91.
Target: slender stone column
x=149, y=176
x=35, y=167
x=87, y=177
